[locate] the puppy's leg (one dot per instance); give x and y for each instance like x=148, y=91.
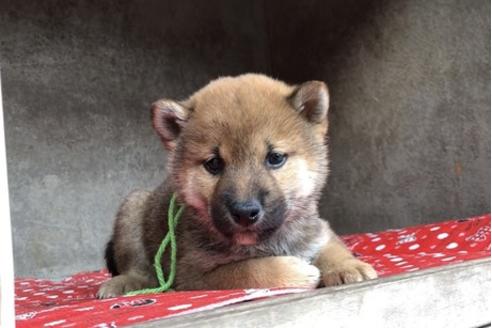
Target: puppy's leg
x=266, y=272
x=127, y=254
x=338, y=265
x=125, y=283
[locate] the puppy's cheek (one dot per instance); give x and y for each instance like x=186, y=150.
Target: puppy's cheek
x=197, y=190
x=275, y=217
x=220, y=220
x=296, y=180
x=306, y=179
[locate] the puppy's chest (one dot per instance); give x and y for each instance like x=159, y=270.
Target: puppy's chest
x=208, y=256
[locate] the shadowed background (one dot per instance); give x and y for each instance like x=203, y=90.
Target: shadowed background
x=409, y=121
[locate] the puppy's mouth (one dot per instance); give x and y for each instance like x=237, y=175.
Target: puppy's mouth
x=245, y=238
x=250, y=234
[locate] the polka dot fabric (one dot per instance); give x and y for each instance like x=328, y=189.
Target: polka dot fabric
x=425, y=246
x=71, y=302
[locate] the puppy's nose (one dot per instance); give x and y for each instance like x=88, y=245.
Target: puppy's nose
x=246, y=213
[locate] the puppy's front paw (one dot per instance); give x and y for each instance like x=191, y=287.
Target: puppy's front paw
x=119, y=285
x=295, y=272
x=348, y=271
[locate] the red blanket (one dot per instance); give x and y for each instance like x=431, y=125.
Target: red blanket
x=71, y=302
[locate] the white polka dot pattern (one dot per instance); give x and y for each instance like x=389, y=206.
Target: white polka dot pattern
x=71, y=302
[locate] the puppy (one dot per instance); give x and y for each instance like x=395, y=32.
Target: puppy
x=248, y=160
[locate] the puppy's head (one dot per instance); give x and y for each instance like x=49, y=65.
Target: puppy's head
x=247, y=153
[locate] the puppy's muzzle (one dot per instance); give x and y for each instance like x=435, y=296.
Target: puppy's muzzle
x=245, y=213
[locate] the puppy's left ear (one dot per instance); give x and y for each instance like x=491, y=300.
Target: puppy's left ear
x=169, y=118
x=311, y=100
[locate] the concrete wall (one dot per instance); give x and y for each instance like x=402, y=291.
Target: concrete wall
x=78, y=79
x=410, y=116
x=410, y=94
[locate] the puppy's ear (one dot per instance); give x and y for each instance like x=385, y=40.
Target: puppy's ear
x=311, y=100
x=168, y=119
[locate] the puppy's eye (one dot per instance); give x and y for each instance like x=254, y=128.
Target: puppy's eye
x=275, y=160
x=214, y=166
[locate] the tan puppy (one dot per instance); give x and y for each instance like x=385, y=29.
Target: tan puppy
x=248, y=159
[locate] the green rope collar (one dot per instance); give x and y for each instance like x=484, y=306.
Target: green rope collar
x=172, y=222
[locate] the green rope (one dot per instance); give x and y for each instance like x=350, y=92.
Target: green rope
x=172, y=222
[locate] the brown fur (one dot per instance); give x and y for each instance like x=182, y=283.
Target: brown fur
x=241, y=120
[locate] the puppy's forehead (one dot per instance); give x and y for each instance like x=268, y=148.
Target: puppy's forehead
x=245, y=112
x=246, y=96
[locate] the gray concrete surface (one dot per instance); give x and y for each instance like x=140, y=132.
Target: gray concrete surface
x=410, y=116
x=451, y=296
x=410, y=94
x=78, y=81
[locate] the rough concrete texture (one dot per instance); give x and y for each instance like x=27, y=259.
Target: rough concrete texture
x=410, y=115
x=461, y=290
x=78, y=81
x=410, y=95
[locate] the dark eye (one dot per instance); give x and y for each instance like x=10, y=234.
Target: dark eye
x=214, y=166
x=275, y=160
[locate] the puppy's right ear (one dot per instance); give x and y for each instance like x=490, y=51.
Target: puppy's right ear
x=168, y=118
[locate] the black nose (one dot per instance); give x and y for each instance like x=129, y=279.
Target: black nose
x=246, y=213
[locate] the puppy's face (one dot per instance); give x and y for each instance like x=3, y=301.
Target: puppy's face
x=247, y=153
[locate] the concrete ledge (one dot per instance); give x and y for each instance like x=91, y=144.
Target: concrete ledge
x=450, y=296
